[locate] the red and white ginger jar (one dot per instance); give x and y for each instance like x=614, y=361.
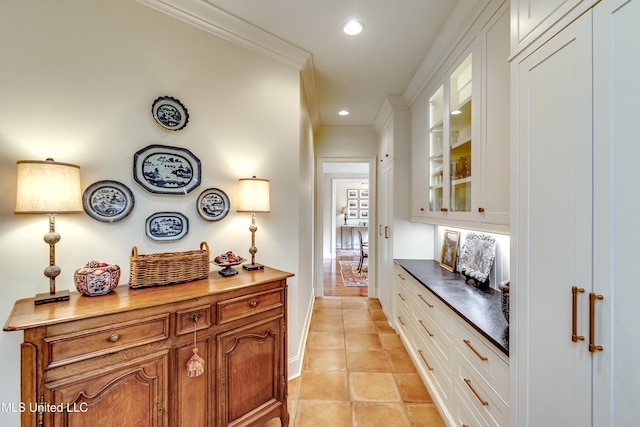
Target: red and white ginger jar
x=96, y=278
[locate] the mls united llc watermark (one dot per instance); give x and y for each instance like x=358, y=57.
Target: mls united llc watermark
x=43, y=407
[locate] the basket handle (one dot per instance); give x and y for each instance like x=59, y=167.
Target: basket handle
x=134, y=252
x=204, y=245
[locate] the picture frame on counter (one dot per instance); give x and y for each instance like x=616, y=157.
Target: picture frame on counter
x=450, y=243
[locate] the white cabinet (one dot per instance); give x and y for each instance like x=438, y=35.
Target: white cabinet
x=575, y=207
x=467, y=376
x=531, y=18
x=467, y=137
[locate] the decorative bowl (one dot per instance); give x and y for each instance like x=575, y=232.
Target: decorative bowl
x=96, y=278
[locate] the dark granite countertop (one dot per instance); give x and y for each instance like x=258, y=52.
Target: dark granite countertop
x=481, y=309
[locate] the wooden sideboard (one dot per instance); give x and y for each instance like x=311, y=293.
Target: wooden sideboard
x=121, y=359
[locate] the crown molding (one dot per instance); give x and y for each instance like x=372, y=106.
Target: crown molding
x=214, y=20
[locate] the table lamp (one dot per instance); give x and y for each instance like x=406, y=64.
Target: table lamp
x=49, y=187
x=253, y=197
x=345, y=211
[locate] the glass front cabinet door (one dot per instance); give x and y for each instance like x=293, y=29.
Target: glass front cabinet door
x=450, y=142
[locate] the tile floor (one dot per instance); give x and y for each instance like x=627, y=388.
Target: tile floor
x=356, y=372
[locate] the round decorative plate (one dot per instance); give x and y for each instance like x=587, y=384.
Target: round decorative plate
x=213, y=204
x=108, y=201
x=169, y=113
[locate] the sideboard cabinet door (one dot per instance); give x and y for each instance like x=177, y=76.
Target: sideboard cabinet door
x=252, y=380
x=131, y=394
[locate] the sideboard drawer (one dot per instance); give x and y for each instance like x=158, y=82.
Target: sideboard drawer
x=84, y=344
x=248, y=305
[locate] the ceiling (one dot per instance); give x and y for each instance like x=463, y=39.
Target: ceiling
x=355, y=73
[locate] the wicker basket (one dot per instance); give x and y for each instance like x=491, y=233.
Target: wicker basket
x=169, y=267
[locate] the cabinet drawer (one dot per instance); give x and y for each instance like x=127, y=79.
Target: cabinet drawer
x=436, y=373
x=248, y=305
x=402, y=295
x=84, y=344
x=431, y=306
x=479, y=395
x=185, y=320
x=482, y=357
x=403, y=320
x=433, y=335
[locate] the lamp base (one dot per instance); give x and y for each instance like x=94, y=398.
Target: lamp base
x=251, y=267
x=47, y=297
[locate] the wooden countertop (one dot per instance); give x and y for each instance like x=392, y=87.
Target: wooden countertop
x=26, y=314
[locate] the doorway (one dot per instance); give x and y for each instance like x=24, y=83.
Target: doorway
x=346, y=209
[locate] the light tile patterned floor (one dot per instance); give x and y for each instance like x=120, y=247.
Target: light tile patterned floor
x=356, y=372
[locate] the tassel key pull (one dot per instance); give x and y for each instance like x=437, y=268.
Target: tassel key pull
x=195, y=364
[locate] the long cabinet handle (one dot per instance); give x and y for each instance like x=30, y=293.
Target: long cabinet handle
x=574, y=329
x=592, y=322
x=425, y=301
x=400, y=320
x=480, y=356
x=425, y=360
x=401, y=297
x=425, y=328
x=386, y=232
x=484, y=402
x=401, y=276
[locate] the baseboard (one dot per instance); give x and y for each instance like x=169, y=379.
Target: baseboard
x=296, y=361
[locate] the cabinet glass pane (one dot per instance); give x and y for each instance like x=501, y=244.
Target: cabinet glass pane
x=460, y=137
x=436, y=138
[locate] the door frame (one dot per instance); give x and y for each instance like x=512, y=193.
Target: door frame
x=320, y=219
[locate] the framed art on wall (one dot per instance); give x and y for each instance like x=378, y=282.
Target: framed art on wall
x=161, y=169
x=450, y=242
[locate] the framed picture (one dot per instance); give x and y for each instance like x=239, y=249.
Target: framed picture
x=166, y=226
x=352, y=194
x=352, y=204
x=364, y=213
x=364, y=204
x=108, y=201
x=353, y=214
x=213, y=204
x=477, y=256
x=169, y=113
x=364, y=194
x=450, y=242
x=161, y=169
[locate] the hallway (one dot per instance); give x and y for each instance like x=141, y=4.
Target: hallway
x=332, y=280
x=356, y=372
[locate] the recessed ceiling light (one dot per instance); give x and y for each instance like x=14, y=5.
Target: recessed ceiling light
x=353, y=27
x=343, y=113
x=456, y=112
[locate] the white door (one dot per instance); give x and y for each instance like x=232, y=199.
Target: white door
x=616, y=211
x=552, y=229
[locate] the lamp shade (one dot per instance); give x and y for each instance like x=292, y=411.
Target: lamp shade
x=48, y=187
x=253, y=195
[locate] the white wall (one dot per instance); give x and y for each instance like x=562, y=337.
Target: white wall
x=77, y=82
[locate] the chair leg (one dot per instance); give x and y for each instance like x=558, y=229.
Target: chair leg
x=360, y=264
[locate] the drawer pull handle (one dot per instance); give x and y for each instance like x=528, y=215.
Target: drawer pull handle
x=425, y=360
x=114, y=337
x=253, y=304
x=468, y=381
x=592, y=322
x=401, y=276
x=400, y=320
x=401, y=297
x=425, y=328
x=574, y=333
x=425, y=301
x=481, y=357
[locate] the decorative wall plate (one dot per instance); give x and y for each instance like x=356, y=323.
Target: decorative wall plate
x=161, y=169
x=169, y=113
x=166, y=226
x=213, y=204
x=108, y=201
